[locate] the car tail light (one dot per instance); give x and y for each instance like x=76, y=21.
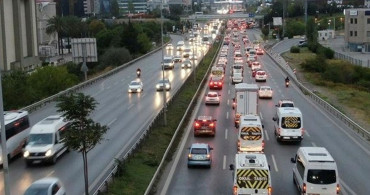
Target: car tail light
x=211, y=83
x=304, y=188
x=238, y=143
x=263, y=144
x=235, y=190
x=302, y=131
x=338, y=188
x=197, y=125
x=212, y=125
x=269, y=190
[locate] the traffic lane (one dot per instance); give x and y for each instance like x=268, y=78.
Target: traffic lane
x=284, y=45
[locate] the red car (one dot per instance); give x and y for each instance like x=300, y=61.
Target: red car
x=205, y=125
x=215, y=83
x=254, y=72
x=259, y=52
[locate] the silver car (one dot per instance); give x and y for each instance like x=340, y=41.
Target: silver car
x=46, y=186
x=200, y=155
x=163, y=84
x=135, y=87
x=186, y=64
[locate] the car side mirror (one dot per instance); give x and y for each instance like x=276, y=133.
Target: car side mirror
x=214, y=119
x=231, y=167
x=274, y=118
x=263, y=126
x=211, y=148
x=188, y=148
x=292, y=160
x=269, y=168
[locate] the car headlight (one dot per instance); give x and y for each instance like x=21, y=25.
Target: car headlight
x=139, y=90
x=167, y=86
x=129, y=90
x=26, y=154
x=157, y=86
x=48, y=153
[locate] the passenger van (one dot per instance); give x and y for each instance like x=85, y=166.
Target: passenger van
x=288, y=124
x=180, y=45
x=45, y=142
x=17, y=128
x=250, y=134
x=315, y=171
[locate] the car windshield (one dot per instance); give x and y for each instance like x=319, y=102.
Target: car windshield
x=39, y=189
x=199, y=151
x=237, y=67
x=40, y=139
x=134, y=83
x=287, y=105
x=163, y=81
x=212, y=95
x=317, y=176
x=167, y=60
x=266, y=88
x=238, y=55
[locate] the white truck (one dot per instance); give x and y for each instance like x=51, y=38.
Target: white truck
x=251, y=174
x=245, y=101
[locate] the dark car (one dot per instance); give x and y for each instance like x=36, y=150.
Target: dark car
x=204, y=125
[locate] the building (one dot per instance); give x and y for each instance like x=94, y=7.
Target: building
x=138, y=6
x=357, y=29
x=325, y=35
x=18, y=35
x=367, y=3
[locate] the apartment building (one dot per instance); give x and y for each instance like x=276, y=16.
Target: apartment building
x=18, y=35
x=139, y=6
x=357, y=29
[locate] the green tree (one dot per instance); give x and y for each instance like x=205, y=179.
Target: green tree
x=96, y=26
x=115, y=8
x=294, y=27
x=144, y=42
x=84, y=133
x=131, y=7
x=129, y=38
x=265, y=31
x=16, y=92
x=176, y=9
x=56, y=25
x=49, y=80
x=115, y=57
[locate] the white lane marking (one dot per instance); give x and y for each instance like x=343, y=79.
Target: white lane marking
x=228, y=92
x=267, y=136
x=313, y=144
x=224, y=163
x=274, y=162
x=130, y=106
x=227, y=115
x=347, y=188
x=226, y=133
x=228, y=101
x=51, y=173
x=306, y=132
x=110, y=123
x=261, y=115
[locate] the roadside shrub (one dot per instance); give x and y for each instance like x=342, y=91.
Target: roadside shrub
x=339, y=72
x=295, y=49
x=313, y=46
x=325, y=51
x=317, y=64
x=115, y=57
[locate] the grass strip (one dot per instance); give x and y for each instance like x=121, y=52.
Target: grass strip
x=135, y=173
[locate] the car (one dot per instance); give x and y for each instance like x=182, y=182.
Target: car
x=169, y=46
x=168, y=62
x=46, y=186
x=265, y=92
x=193, y=56
x=255, y=65
x=205, y=125
x=250, y=60
x=215, y=83
x=163, y=84
x=135, y=86
x=200, y=155
x=212, y=98
x=302, y=43
x=259, y=51
x=261, y=75
x=186, y=64
x=285, y=103
x=177, y=59
x=255, y=71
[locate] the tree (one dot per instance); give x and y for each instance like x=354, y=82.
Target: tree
x=96, y=26
x=16, y=92
x=144, y=41
x=84, y=133
x=115, y=8
x=265, y=31
x=115, y=57
x=56, y=25
x=176, y=9
x=129, y=38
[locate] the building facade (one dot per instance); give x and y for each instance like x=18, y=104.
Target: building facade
x=357, y=29
x=18, y=35
x=138, y=6
x=367, y=3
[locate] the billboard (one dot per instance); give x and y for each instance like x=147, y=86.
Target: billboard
x=84, y=48
x=277, y=21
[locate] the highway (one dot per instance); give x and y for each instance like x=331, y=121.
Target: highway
x=124, y=113
x=351, y=152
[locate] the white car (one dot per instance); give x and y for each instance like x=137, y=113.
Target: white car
x=135, y=86
x=212, y=98
x=169, y=46
x=265, y=92
x=163, y=84
x=285, y=103
x=46, y=186
x=186, y=64
x=261, y=75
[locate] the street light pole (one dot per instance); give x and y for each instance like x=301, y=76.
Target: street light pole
x=3, y=144
x=164, y=90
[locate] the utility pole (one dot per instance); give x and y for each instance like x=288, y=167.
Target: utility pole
x=3, y=144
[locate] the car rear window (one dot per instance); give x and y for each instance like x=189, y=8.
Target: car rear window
x=212, y=95
x=261, y=73
x=199, y=151
x=317, y=176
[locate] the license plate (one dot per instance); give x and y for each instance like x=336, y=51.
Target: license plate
x=37, y=161
x=286, y=137
x=295, y=137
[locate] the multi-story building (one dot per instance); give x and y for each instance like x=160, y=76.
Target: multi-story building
x=357, y=29
x=139, y=6
x=18, y=35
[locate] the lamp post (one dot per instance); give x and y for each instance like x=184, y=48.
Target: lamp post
x=3, y=144
x=164, y=90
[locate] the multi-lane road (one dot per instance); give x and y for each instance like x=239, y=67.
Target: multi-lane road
x=124, y=113
x=351, y=152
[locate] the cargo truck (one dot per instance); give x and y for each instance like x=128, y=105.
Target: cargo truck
x=245, y=101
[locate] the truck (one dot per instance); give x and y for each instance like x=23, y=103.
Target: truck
x=245, y=101
x=217, y=71
x=251, y=174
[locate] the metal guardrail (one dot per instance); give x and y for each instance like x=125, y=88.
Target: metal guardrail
x=137, y=139
x=338, y=114
x=352, y=60
x=41, y=103
x=193, y=100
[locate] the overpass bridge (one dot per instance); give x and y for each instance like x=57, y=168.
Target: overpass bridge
x=222, y=16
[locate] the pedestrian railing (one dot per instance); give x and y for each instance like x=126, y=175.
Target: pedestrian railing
x=352, y=60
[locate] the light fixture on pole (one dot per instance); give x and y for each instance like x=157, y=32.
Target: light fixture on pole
x=164, y=91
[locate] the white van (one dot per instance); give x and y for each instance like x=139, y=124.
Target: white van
x=288, y=124
x=250, y=136
x=237, y=78
x=180, y=45
x=45, y=142
x=315, y=171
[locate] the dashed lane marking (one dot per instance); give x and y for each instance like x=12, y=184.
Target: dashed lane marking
x=274, y=162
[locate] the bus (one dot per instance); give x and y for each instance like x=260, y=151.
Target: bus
x=17, y=128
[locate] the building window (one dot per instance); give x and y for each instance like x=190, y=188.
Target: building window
x=355, y=33
x=355, y=20
x=351, y=20
x=351, y=33
x=368, y=33
x=368, y=21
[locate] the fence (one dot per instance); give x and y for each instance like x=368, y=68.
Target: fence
x=359, y=62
